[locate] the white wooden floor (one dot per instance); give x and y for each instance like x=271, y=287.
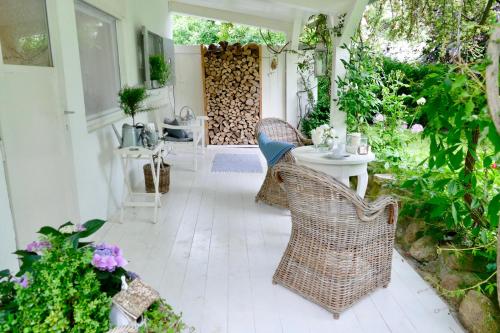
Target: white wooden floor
x=214, y=251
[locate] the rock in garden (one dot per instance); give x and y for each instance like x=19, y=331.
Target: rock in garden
x=412, y=232
x=454, y=280
x=478, y=314
x=462, y=261
x=424, y=249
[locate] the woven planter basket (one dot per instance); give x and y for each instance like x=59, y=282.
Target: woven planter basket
x=164, y=184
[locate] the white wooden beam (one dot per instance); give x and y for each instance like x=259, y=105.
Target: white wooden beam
x=230, y=16
x=318, y=6
x=337, y=117
x=291, y=106
x=352, y=20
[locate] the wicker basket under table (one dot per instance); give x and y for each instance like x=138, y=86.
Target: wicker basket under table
x=164, y=178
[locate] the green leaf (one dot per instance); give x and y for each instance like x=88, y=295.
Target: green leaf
x=452, y=187
x=487, y=161
x=493, y=211
x=49, y=231
x=438, y=201
x=454, y=213
x=456, y=159
x=27, y=263
x=440, y=159
x=65, y=225
x=23, y=253
x=4, y=273
x=91, y=227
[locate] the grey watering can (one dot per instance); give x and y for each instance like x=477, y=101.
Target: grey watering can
x=131, y=135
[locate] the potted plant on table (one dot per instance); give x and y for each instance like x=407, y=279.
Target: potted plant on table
x=159, y=70
x=132, y=102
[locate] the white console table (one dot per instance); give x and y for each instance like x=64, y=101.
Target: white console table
x=138, y=199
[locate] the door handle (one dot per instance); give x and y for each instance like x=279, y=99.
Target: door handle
x=69, y=112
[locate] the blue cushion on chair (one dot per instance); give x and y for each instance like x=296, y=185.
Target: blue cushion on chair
x=273, y=150
x=175, y=133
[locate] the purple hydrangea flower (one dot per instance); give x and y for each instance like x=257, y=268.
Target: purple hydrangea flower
x=417, y=128
x=80, y=227
x=378, y=118
x=38, y=247
x=21, y=281
x=404, y=125
x=108, y=257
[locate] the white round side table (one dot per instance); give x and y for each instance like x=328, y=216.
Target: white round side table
x=340, y=169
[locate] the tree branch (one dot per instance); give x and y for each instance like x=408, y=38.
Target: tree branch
x=486, y=12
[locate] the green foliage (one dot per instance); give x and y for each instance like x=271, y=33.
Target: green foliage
x=61, y=290
x=458, y=193
x=189, y=30
x=64, y=294
x=131, y=99
x=160, y=318
x=452, y=27
x=359, y=90
x=321, y=112
x=28, y=258
x=159, y=69
x=7, y=297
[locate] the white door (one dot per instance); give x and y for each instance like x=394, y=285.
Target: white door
x=38, y=164
x=7, y=235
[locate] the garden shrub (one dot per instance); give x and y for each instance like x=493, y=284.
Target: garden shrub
x=413, y=76
x=458, y=191
x=321, y=112
x=359, y=90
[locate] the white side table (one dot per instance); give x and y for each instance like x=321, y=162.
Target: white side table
x=138, y=199
x=341, y=169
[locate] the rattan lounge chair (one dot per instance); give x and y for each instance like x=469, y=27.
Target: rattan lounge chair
x=340, y=247
x=276, y=129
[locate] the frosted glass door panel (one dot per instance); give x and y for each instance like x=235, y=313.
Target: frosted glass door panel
x=24, y=33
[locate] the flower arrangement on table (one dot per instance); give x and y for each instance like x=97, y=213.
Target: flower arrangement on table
x=324, y=136
x=66, y=285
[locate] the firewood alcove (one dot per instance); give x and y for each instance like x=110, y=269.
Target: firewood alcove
x=232, y=84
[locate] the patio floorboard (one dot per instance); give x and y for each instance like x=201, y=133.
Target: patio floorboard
x=214, y=250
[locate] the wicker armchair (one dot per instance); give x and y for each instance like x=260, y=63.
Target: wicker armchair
x=340, y=247
x=276, y=129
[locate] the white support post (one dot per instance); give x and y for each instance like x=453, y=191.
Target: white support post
x=291, y=73
x=337, y=117
x=170, y=25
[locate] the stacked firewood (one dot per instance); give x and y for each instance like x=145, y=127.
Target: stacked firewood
x=232, y=85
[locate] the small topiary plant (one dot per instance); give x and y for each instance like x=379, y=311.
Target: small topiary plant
x=131, y=99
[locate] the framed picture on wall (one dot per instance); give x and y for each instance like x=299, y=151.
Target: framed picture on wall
x=156, y=51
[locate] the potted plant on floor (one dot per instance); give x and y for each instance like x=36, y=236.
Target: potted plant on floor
x=67, y=284
x=132, y=102
x=159, y=70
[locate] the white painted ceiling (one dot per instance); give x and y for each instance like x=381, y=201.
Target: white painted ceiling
x=282, y=10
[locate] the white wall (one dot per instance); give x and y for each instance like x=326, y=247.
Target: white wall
x=273, y=86
x=188, y=81
x=7, y=235
x=97, y=170
x=189, y=86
